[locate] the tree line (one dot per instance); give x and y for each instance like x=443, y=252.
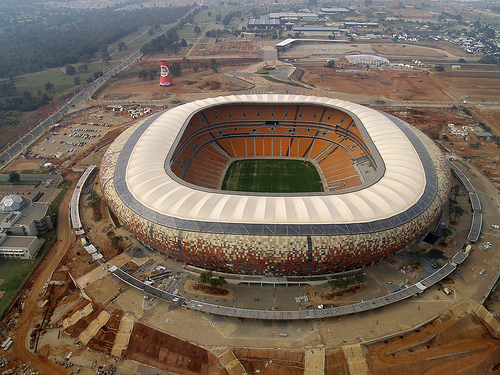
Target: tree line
x=169, y=42
x=35, y=46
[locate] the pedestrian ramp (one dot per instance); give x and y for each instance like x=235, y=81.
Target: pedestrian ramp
x=94, y=327
x=355, y=359
x=77, y=315
x=123, y=336
x=232, y=364
x=315, y=361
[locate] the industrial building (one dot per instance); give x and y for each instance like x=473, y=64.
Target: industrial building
x=22, y=221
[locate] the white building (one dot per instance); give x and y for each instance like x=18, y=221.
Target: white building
x=21, y=221
x=371, y=60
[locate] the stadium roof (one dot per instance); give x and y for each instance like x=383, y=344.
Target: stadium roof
x=407, y=187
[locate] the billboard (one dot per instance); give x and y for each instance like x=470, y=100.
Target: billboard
x=165, y=74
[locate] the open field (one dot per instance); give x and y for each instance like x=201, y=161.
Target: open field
x=471, y=85
x=272, y=176
x=461, y=345
x=380, y=83
x=407, y=50
x=58, y=77
x=128, y=87
x=133, y=41
x=13, y=273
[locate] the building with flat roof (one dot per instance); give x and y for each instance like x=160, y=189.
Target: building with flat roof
x=21, y=222
x=263, y=23
x=335, y=10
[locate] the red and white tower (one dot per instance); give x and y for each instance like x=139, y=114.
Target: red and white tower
x=165, y=74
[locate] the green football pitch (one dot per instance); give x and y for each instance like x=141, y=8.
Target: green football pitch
x=272, y=176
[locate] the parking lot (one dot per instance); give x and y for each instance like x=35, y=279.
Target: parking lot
x=63, y=141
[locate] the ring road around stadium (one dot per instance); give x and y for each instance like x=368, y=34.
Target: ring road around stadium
x=384, y=184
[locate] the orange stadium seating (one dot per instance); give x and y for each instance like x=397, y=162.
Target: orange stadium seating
x=221, y=114
x=268, y=146
x=241, y=131
x=259, y=146
x=264, y=112
x=276, y=146
x=280, y=113
x=237, y=112
x=239, y=146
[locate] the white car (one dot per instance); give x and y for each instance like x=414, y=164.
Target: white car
x=482, y=271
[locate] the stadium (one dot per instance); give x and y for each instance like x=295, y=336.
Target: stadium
x=379, y=184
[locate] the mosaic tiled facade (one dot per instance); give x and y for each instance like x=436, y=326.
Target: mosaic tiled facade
x=275, y=254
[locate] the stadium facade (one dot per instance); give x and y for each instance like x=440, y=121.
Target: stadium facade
x=384, y=184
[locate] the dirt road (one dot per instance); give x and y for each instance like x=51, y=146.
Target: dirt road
x=43, y=273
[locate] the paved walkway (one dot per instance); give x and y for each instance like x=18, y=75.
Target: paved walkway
x=355, y=360
x=123, y=336
x=94, y=327
x=315, y=361
x=232, y=364
x=71, y=320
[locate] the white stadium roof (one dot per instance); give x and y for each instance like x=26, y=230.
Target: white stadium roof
x=401, y=186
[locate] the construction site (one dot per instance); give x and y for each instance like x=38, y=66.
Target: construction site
x=74, y=316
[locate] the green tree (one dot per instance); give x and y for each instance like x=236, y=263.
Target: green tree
x=214, y=65
x=488, y=59
x=122, y=46
x=176, y=69
x=197, y=30
x=459, y=211
x=7, y=89
x=70, y=70
x=76, y=80
x=445, y=232
x=83, y=68
x=94, y=201
x=14, y=177
x=49, y=87
x=439, y=68
x=330, y=63
x=106, y=58
x=220, y=281
x=206, y=277
x=462, y=61
x=116, y=241
x=143, y=74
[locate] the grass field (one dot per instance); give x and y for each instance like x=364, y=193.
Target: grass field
x=272, y=176
x=13, y=272
x=58, y=77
